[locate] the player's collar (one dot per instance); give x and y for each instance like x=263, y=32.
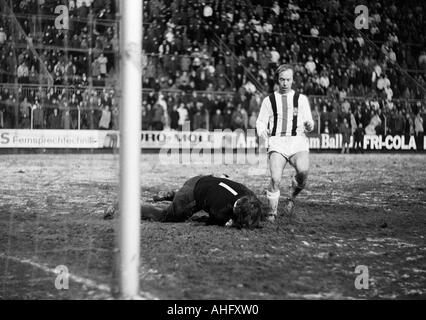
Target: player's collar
x=230, y=222
x=235, y=204
x=285, y=94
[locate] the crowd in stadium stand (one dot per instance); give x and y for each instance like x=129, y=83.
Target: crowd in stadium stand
x=212, y=62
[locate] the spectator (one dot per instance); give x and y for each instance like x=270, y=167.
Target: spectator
x=375, y=121
x=252, y=120
x=326, y=128
x=314, y=31
x=23, y=73
x=66, y=121
x=182, y=81
x=54, y=120
x=198, y=120
x=399, y=124
x=25, y=121
x=359, y=138
x=377, y=72
x=346, y=132
x=237, y=119
x=383, y=82
x=317, y=120
x=250, y=87
x=310, y=65
x=96, y=68
x=245, y=118
x=24, y=110
x=409, y=126
x=254, y=103
x=185, y=63
x=251, y=56
x=102, y=61
x=275, y=57
x=146, y=116
x=388, y=93
x=1, y=118
x=174, y=118
x=334, y=121
x=158, y=117
x=422, y=60
x=105, y=121
x=227, y=118
x=115, y=115
x=38, y=116
x=346, y=106
x=325, y=116
x=183, y=115
x=352, y=122
x=162, y=102
x=276, y=8
x=419, y=131
x=324, y=81
x=3, y=37
x=217, y=120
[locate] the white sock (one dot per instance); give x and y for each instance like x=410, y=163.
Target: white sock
x=273, y=198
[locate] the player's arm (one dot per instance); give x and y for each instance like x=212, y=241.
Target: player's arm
x=263, y=119
x=221, y=215
x=308, y=122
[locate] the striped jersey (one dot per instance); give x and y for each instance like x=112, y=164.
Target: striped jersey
x=279, y=115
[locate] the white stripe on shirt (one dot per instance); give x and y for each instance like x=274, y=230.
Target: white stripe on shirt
x=228, y=188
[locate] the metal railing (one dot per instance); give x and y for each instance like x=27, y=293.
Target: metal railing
x=31, y=91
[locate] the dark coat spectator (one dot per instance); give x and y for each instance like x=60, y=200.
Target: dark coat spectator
x=146, y=119
x=25, y=122
x=419, y=131
x=54, y=120
x=237, y=119
x=174, y=118
x=409, y=126
x=334, y=121
x=359, y=138
x=198, y=120
x=66, y=119
x=399, y=124
x=38, y=117
x=227, y=118
x=24, y=112
x=325, y=117
x=391, y=123
x=158, y=117
x=346, y=131
x=217, y=120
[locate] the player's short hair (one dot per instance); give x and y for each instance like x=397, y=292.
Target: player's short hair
x=248, y=212
x=283, y=67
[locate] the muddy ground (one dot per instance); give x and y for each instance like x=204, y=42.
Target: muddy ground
x=357, y=210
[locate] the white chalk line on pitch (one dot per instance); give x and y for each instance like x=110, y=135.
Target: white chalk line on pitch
x=81, y=280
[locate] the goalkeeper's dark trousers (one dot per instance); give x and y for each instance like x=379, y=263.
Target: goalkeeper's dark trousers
x=182, y=207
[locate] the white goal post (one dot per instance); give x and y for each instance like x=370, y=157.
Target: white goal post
x=130, y=149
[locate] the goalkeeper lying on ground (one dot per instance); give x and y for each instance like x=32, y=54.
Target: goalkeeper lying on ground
x=227, y=202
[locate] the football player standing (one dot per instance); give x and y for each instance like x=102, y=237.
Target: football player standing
x=284, y=118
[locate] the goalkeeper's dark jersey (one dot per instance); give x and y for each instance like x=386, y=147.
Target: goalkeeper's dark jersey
x=217, y=196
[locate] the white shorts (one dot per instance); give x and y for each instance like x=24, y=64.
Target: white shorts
x=288, y=146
